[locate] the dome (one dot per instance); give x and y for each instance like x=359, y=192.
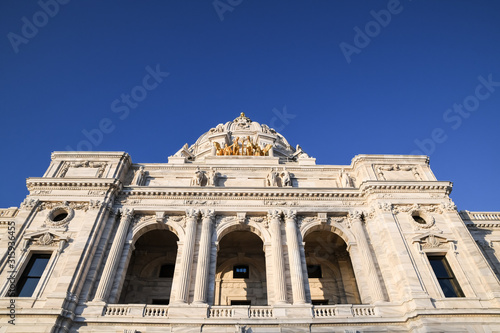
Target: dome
x=241, y=137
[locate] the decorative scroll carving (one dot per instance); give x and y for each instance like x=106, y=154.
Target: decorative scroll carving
x=306, y=219
x=430, y=240
x=29, y=203
x=201, y=202
x=84, y=164
x=45, y=238
x=449, y=206
x=73, y=205
x=421, y=211
x=397, y=167
x=142, y=218
x=336, y=219
x=280, y=203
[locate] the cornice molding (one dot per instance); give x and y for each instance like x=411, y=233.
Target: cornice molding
x=71, y=183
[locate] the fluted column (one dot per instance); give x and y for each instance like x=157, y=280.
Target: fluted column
x=182, y=293
x=200, y=291
x=107, y=276
x=298, y=290
x=361, y=237
x=278, y=262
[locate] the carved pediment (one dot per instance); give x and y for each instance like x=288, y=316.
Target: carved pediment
x=45, y=238
x=430, y=240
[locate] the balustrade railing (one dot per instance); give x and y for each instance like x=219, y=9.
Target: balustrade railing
x=319, y=311
x=116, y=310
x=260, y=312
x=221, y=312
x=156, y=311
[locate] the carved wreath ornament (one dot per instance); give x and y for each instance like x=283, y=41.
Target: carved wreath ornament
x=51, y=220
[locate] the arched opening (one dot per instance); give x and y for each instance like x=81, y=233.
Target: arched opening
x=151, y=269
x=329, y=268
x=241, y=270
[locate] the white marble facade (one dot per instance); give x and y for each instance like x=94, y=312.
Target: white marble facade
x=241, y=232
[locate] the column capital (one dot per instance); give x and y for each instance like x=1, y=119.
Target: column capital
x=208, y=214
x=290, y=214
x=192, y=213
x=274, y=214
x=355, y=216
x=127, y=214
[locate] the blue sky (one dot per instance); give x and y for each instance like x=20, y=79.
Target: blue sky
x=339, y=78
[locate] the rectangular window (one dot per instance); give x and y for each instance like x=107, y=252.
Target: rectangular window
x=240, y=302
x=314, y=271
x=319, y=302
x=241, y=272
x=32, y=273
x=167, y=271
x=445, y=277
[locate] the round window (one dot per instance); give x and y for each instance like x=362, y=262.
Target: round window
x=59, y=216
x=419, y=219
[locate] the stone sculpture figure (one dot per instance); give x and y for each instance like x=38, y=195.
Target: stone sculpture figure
x=286, y=180
x=345, y=179
x=139, y=176
x=198, y=177
x=212, y=177
x=271, y=178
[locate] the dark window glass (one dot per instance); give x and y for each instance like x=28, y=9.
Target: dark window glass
x=240, y=302
x=167, y=271
x=241, y=272
x=445, y=277
x=319, y=302
x=314, y=271
x=32, y=274
x=160, y=301
x=419, y=219
x=60, y=217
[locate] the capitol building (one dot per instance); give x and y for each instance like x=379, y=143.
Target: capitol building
x=243, y=232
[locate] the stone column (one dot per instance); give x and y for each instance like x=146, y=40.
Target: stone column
x=298, y=290
x=202, y=270
x=277, y=253
x=373, y=279
x=182, y=288
x=107, y=275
